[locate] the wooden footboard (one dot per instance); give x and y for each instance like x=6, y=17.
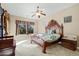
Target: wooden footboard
x=37, y=40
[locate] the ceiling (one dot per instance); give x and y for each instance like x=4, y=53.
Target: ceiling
x=27, y=9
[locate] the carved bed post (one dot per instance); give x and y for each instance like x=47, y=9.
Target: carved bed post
x=62, y=33
x=44, y=47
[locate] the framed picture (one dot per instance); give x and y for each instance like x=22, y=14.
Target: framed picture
x=68, y=19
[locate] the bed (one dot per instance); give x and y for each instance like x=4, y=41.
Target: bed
x=53, y=34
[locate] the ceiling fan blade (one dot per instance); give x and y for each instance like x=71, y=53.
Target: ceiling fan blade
x=43, y=14
x=41, y=11
x=33, y=15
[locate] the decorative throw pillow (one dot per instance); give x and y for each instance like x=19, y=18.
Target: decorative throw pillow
x=53, y=32
x=53, y=37
x=49, y=31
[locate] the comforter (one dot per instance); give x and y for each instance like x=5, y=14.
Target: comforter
x=48, y=37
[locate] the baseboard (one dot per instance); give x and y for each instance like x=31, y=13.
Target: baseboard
x=77, y=47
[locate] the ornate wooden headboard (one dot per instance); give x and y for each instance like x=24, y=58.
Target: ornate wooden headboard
x=53, y=24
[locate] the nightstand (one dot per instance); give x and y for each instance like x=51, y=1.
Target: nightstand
x=70, y=43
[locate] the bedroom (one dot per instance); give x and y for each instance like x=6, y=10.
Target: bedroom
x=57, y=11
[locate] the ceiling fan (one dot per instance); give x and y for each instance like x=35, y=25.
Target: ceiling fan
x=38, y=12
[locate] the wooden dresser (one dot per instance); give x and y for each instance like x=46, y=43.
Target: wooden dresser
x=7, y=46
x=70, y=43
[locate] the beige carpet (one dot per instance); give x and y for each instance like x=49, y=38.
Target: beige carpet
x=25, y=48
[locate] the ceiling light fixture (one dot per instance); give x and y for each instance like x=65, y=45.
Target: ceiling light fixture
x=38, y=12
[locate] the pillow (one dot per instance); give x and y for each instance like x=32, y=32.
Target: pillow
x=40, y=34
x=50, y=31
x=53, y=31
